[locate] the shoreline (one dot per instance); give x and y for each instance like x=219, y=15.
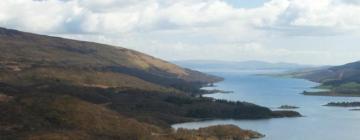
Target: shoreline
x=276, y=114
x=327, y=93
x=317, y=92
x=215, y=91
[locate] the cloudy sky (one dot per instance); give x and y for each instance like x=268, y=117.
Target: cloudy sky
x=301, y=31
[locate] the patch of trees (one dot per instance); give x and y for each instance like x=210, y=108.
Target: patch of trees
x=344, y=104
x=158, y=108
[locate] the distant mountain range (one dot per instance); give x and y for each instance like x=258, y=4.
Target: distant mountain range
x=238, y=65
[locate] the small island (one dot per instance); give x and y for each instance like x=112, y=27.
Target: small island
x=344, y=104
x=288, y=107
x=356, y=109
x=211, y=91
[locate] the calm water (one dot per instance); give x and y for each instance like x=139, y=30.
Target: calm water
x=320, y=123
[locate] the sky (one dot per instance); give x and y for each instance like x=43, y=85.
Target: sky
x=319, y=32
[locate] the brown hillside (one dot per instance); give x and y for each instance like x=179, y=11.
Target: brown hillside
x=21, y=51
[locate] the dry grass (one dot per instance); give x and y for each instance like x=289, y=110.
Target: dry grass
x=37, y=49
x=80, y=78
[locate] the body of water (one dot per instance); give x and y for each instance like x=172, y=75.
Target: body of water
x=320, y=122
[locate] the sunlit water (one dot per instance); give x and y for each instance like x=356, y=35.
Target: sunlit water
x=320, y=122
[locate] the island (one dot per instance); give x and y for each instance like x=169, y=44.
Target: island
x=330, y=93
x=344, y=104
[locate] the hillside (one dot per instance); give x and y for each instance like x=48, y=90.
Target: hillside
x=30, y=53
x=55, y=88
x=341, y=80
x=55, y=117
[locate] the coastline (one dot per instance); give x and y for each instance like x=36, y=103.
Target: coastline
x=329, y=93
x=322, y=91
x=314, y=87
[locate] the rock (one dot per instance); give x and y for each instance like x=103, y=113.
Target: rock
x=344, y=104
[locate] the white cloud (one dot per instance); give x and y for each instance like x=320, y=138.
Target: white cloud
x=127, y=16
x=175, y=29
x=330, y=14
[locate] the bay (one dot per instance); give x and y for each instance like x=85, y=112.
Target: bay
x=319, y=122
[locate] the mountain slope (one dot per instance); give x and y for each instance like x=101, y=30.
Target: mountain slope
x=47, y=116
x=22, y=51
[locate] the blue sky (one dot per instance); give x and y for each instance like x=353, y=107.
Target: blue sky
x=246, y=3
x=317, y=32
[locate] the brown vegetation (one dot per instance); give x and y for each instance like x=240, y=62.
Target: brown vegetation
x=58, y=117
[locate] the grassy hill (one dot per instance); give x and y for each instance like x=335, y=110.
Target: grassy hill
x=31, y=53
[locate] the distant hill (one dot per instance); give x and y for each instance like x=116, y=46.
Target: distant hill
x=312, y=73
x=341, y=80
x=348, y=73
x=238, y=65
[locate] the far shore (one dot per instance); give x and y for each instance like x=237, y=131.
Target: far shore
x=213, y=91
x=329, y=93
